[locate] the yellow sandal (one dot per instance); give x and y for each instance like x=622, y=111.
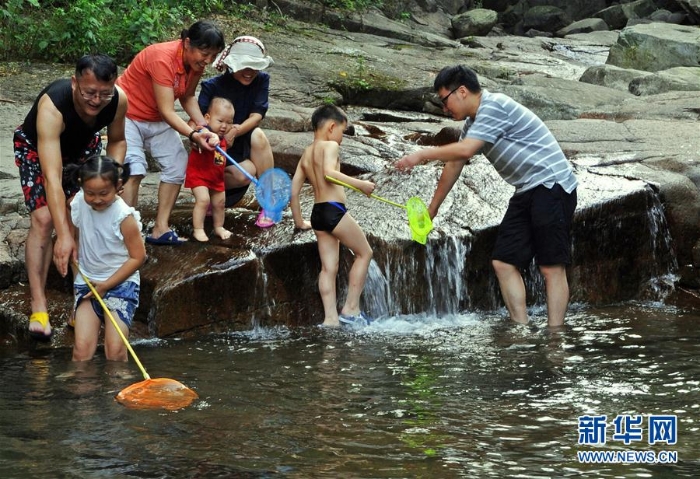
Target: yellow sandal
x=43, y=319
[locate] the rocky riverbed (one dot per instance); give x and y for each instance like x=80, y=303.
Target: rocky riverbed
x=637, y=158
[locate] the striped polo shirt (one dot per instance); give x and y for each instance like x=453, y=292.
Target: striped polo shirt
x=519, y=145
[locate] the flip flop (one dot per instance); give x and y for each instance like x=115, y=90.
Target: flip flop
x=43, y=319
x=263, y=220
x=169, y=238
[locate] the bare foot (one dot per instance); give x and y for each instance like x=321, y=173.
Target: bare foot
x=222, y=232
x=200, y=235
x=329, y=323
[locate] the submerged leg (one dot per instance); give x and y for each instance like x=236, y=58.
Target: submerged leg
x=512, y=289
x=557, y=289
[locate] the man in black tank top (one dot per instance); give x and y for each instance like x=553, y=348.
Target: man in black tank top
x=63, y=127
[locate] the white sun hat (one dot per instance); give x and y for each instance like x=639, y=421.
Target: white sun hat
x=243, y=52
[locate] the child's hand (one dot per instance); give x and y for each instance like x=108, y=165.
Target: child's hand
x=99, y=287
x=367, y=187
x=305, y=225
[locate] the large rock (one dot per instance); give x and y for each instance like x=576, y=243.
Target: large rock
x=673, y=79
x=477, y=22
x=656, y=46
x=693, y=9
x=574, y=9
x=617, y=16
x=587, y=25
x=376, y=24
x=611, y=76
x=452, y=7
x=557, y=99
x=545, y=19
x=498, y=5
x=660, y=152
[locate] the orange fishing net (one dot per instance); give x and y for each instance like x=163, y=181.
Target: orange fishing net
x=150, y=393
x=160, y=393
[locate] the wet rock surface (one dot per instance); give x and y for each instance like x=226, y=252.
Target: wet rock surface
x=636, y=158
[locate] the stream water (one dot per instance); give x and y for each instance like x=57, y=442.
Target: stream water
x=466, y=395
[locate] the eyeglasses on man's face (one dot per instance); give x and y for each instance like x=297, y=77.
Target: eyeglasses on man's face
x=95, y=94
x=444, y=100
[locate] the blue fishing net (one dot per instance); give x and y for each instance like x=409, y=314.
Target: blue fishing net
x=273, y=191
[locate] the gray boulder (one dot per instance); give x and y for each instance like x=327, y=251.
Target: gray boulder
x=656, y=46
x=665, y=16
x=545, y=19
x=693, y=9
x=453, y=7
x=498, y=5
x=673, y=79
x=575, y=9
x=611, y=76
x=587, y=25
x=558, y=99
x=477, y=22
x=617, y=16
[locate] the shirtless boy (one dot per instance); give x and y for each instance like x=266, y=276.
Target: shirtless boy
x=330, y=220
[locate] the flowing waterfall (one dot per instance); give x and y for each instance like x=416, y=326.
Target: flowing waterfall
x=445, y=276
x=661, y=283
x=432, y=282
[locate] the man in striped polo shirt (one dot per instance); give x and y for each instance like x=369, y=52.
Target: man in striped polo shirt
x=526, y=155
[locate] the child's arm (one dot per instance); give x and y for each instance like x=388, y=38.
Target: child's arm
x=137, y=255
x=330, y=168
x=297, y=183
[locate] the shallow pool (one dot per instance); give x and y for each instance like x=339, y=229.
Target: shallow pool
x=459, y=396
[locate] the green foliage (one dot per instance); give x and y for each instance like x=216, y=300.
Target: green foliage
x=74, y=30
x=394, y=9
x=363, y=78
x=360, y=80
x=351, y=5
x=66, y=30
x=16, y=33
x=267, y=19
x=144, y=23
x=397, y=9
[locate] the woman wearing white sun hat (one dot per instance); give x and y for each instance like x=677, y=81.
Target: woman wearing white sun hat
x=245, y=84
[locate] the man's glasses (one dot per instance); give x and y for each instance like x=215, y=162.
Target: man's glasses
x=444, y=100
x=90, y=96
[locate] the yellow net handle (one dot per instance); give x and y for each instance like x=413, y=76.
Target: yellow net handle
x=376, y=197
x=114, y=322
x=418, y=216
